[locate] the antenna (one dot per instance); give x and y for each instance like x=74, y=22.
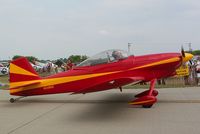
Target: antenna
x=190, y=46
x=129, y=48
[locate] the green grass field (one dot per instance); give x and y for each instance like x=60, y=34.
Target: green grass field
x=138, y=86
x=4, y=80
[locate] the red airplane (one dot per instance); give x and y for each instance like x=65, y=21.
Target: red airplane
x=107, y=70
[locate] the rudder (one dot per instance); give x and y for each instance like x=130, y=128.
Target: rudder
x=21, y=70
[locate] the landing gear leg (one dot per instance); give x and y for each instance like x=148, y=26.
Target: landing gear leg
x=12, y=100
x=147, y=106
x=120, y=88
x=147, y=98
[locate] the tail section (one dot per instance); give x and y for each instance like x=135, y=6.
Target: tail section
x=22, y=73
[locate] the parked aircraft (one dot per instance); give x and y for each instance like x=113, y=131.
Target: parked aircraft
x=3, y=70
x=106, y=70
x=44, y=67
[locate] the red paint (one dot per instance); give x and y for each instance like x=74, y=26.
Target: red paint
x=115, y=80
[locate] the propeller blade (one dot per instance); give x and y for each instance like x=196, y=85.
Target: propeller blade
x=190, y=62
x=182, y=51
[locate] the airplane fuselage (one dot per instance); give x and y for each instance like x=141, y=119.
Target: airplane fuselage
x=105, y=76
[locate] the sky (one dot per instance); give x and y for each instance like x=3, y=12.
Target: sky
x=51, y=29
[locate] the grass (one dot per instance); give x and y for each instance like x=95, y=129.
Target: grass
x=4, y=80
x=172, y=82
x=156, y=86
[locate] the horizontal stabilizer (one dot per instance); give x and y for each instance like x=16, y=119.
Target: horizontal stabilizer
x=4, y=89
x=23, y=84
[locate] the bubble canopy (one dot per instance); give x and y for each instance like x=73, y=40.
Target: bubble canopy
x=104, y=57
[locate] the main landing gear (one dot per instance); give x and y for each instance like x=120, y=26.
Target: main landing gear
x=147, y=98
x=12, y=100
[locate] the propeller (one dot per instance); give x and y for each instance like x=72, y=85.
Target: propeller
x=191, y=63
x=182, y=51
x=186, y=56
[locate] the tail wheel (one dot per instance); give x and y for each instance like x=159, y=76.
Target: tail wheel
x=12, y=100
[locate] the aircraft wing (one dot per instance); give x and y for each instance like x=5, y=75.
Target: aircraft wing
x=113, y=83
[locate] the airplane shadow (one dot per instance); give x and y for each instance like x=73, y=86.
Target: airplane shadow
x=109, y=99
x=114, y=105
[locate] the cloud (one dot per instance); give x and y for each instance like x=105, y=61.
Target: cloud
x=87, y=27
x=103, y=32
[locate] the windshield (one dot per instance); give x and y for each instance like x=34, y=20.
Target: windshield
x=105, y=57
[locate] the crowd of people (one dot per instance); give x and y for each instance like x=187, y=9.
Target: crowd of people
x=50, y=67
x=194, y=72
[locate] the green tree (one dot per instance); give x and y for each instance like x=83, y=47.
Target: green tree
x=196, y=52
x=77, y=58
x=16, y=57
x=30, y=58
x=84, y=57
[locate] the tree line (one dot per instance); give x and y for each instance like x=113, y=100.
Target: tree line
x=196, y=52
x=74, y=58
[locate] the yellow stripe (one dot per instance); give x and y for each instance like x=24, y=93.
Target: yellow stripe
x=158, y=63
x=20, y=84
x=53, y=81
x=140, y=102
x=18, y=70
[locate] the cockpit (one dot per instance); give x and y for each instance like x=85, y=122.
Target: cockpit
x=105, y=57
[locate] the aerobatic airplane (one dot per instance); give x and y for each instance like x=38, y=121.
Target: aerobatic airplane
x=107, y=70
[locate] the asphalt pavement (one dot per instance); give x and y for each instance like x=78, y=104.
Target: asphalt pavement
x=107, y=112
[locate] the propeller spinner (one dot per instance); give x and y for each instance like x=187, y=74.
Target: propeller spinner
x=186, y=56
